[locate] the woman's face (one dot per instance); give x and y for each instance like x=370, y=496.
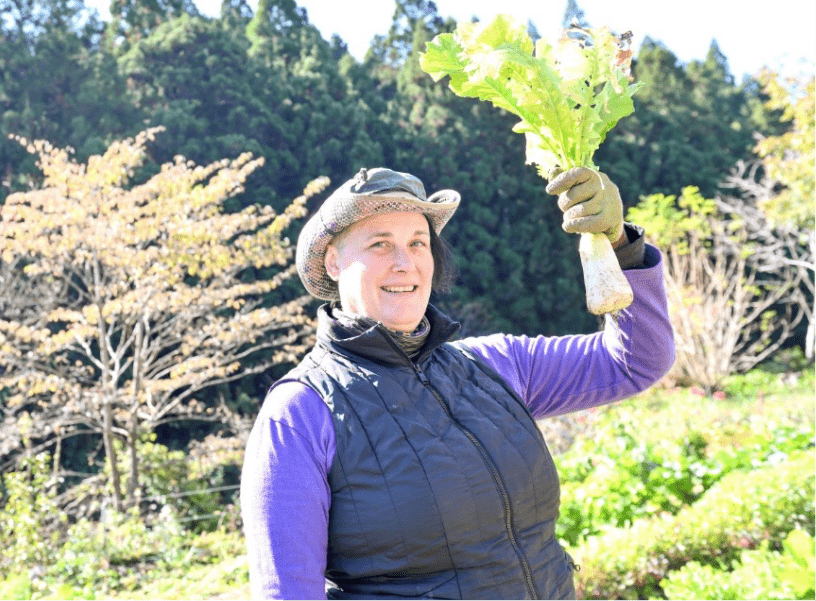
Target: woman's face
x=383, y=268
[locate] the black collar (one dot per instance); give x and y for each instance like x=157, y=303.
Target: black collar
x=375, y=343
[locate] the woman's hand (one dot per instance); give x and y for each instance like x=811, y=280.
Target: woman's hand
x=591, y=203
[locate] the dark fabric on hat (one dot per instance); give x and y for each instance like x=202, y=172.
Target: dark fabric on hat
x=381, y=180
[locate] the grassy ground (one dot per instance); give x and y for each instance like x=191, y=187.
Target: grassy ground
x=227, y=579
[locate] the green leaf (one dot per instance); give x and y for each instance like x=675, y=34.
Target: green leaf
x=615, y=107
x=799, y=546
x=503, y=30
x=442, y=58
x=552, y=92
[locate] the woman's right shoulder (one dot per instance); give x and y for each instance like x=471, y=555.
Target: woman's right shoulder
x=292, y=415
x=291, y=402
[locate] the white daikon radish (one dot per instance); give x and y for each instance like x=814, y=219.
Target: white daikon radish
x=607, y=289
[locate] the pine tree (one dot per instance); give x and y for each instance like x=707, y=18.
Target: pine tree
x=573, y=15
x=56, y=83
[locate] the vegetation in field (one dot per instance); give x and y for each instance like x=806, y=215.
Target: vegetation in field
x=761, y=573
x=663, y=451
x=674, y=477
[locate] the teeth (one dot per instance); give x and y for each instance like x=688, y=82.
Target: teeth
x=399, y=288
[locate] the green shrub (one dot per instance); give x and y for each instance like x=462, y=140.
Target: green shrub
x=45, y=556
x=784, y=374
x=634, y=480
x=98, y=555
x=170, y=478
x=30, y=520
x=799, y=565
x=634, y=477
x=759, y=574
x=16, y=587
x=738, y=512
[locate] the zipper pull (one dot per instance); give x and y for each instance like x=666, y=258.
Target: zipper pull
x=421, y=375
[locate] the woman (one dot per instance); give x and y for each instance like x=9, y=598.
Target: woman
x=393, y=463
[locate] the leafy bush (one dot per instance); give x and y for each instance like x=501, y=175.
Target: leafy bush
x=30, y=520
x=738, y=512
x=169, y=478
x=16, y=587
x=97, y=555
x=132, y=560
x=90, y=557
x=759, y=574
x=199, y=484
x=634, y=480
x=784, y=374
x=622, y=474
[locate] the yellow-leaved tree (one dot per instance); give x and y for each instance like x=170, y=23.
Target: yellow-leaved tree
x=121, y=304
x=790, y=159
x=775, y=194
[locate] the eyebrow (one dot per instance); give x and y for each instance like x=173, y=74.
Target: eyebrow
x=390, y=235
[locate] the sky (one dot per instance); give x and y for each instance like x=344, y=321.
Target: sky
x=780, y=34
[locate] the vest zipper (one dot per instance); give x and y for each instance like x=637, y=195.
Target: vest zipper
x=508, y=515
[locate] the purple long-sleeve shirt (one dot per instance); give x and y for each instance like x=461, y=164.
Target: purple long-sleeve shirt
x=285, y=494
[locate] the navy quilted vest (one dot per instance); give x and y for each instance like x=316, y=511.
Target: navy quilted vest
x=442, y=485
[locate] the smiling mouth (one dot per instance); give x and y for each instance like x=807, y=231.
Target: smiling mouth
x=399, y=289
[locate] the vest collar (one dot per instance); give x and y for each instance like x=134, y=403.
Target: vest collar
x=375, y=343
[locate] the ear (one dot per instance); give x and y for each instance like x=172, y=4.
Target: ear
x=330, y=262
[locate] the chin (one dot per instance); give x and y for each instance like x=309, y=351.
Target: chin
x=403, y=325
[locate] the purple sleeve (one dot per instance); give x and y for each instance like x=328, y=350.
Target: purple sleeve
x=555, y=375
x=285, y=494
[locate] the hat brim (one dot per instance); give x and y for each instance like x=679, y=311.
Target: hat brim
x=339, y=211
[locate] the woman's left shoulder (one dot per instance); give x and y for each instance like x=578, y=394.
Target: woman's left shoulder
x=501, y=352
x=482, y=346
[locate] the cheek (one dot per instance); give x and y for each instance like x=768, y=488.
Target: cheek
x=428, y=266
x=360, y=277
x=354, y=274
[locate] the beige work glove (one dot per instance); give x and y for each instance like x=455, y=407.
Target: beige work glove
x=591, y=203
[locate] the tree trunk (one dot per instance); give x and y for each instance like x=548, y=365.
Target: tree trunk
x=56, y=466
x=108, y=386
x=110, y=453
x=810, y=336
x=133, y=476
x=133, y=426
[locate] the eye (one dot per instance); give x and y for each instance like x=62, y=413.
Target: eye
x=419, y=243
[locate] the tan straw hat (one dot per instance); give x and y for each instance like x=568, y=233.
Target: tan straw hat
x=369, y=192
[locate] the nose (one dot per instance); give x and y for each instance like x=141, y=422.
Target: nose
x=403, y=261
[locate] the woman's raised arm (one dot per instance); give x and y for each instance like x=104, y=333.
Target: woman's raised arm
x=560, y=374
